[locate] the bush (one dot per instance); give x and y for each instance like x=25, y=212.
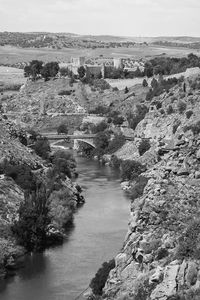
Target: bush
x=98, y=282
x=189, y=113
x=101, y=142
x=22, y=175
x=65, y=93
x=115, y=89
x=116, y=143
x=118, y=120
x=42, y=147
x=102, y=126
x=175, y=126
x=138, y=188
x=158, y=104
x=149, y=95
x=170, y=110
x=126, y=90
x=131, y=169
x=31, y=228
x=144, y=83
x=181, y=107
x=63, y=162
x=50, y=70
x=115, y=161
x=137, y=117
x=144, y=146
x=194, y=127
x=62, y=128
x=189, y=245
x=100, y=110
x=101, y=84
x=162, y=111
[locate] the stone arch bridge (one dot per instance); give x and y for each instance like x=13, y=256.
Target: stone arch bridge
x=86, y=138
x=80, y=137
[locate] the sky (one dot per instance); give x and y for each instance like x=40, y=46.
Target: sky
x=108, y=17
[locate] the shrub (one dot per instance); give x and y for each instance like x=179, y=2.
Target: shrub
x=101, y=84
x=170, y=110
x=144, y=83
x=137, y=117
x=102, y=126
x=101, y=141
x=189, y=245
x=62, y=128
x=99, y=110
x=194, y=127
x=98, y=282
x=181, y=107
x=149, y=95
x=22, y=175
x=50, y=70
x=175, y=126
x=63, y=162
x=31, y=228
x=116, y=143
x=144, y=146
x=158, y=104
x=65, y=93
x=131, y=169
x=115, y=161
x=138, y=188
x=126, y=90
x=115, y=89
x=162, y=111
x=189, y=113
x=42, y=147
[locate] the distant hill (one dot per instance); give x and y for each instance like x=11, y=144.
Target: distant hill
x=72, y=40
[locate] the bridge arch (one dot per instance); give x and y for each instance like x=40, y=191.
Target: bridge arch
x=89, y=142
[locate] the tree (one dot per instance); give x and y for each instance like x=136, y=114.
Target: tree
x=148, y=70
x=126, y=90
x=42, y=147
x=50, y=70
x=81, y=72
x=98, y=282
x=34, y=69
x=101, y=141
x=154, y=83
x=144, y=83
x=62, y=128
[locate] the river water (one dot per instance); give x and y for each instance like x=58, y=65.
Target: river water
x=100, y=225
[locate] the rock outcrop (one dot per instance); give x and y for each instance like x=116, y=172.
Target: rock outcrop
x=64, y=196
x=160, y=257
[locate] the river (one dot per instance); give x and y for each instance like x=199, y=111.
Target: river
x=100, y=225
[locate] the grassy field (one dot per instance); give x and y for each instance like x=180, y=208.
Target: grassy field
x=12, y=55
x=11, y=76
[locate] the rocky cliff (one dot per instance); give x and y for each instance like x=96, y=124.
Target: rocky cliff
x=63, y=195
x=160, y=257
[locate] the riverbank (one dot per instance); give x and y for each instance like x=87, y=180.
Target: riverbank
x=64, y=271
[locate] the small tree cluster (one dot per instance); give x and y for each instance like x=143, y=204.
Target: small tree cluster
x=181, y=106
x=98, y=282
x=116, y=143
x=37, y=69
x=137, y=117
x=131, y=169
x=62, y=128
x=144, y=146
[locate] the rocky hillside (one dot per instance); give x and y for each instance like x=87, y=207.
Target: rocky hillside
x=160, y=257
x=63, y=196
